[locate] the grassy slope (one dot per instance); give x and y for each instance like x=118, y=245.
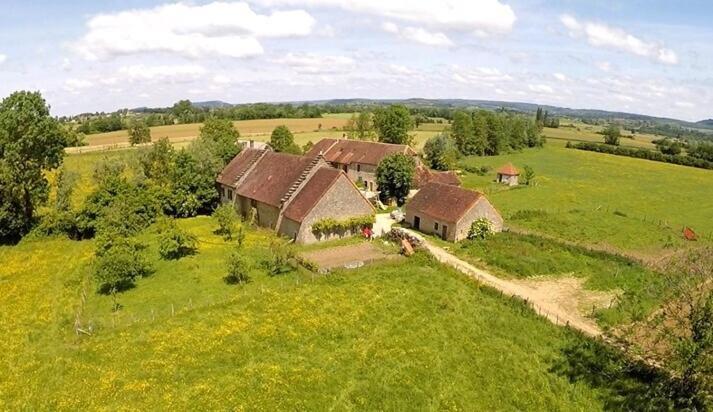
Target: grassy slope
x=407, y=335
x=580, y=191
x=530, y=256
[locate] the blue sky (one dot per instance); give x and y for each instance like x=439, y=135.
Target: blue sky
x=650, y=57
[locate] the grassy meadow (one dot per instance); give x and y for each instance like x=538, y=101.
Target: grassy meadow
x=580, y=132
x=406, y=335
x=634, y=205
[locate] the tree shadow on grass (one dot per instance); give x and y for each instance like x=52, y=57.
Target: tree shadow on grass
x=625, y=384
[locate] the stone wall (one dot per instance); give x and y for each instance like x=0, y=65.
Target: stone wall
x=482, y=208
x=342, y=201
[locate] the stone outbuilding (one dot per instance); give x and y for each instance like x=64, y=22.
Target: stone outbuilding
x=290, y=193
x=358, y=158
x=508, y=175
x=448, y=211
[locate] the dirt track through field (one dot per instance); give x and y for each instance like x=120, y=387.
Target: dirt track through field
x=542, y=303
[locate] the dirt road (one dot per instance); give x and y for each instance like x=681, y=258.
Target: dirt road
x=534, y=297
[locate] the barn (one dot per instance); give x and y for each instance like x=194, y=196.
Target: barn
x=448, y=211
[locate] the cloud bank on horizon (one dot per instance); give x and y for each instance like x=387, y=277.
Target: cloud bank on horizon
x=640, y=57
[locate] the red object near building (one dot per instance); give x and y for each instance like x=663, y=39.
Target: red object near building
x=689, y=234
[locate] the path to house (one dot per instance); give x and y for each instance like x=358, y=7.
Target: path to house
x=540, y=303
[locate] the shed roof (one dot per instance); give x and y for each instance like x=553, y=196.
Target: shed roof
x=443, y=202
x=346, y=151
x=508, y=170
x=303, y=202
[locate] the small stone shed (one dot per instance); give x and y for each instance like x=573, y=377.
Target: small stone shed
x=448, y=211
x=508, y=175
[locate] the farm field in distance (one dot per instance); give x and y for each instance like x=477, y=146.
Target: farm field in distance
x=627, y=204
x=404, y=335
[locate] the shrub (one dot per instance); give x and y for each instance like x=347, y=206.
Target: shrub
x=227, y=219
x=528, y=175
x=353, y=224
x=280, y=256
x=174, y=242
x=120, y=265
x=480, y=229
x=238, y=269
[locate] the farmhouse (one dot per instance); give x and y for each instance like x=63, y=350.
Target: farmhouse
x=508, y=175
x=290, y=193
x=448, y=211
x=358, y=158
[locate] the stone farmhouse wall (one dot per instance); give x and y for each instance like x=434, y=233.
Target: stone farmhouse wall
x=482, y=208
x=340, y=202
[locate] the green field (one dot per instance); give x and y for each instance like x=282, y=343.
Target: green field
x=620, y=203
x=580, y=132
x=406, y=335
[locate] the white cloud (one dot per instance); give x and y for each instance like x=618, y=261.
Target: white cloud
x=541, y=88
x=77, y=85
x=214, y=29
x=685, y=105
x=604, y=66
x=561, y=77
x=3, y=58
x=479, y=75
x=310, y=63
x=399, y=70
x=601, y=35
x=475, y=16
x=173, y=73
x=418, y=35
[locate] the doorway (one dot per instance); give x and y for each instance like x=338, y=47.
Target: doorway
x=416, y=222
x=444, y=232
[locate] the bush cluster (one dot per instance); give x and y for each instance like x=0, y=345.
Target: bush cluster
x=329, y=225
x=643, y=154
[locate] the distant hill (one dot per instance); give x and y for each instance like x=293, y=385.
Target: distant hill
x=211, y=104
x=705, y=123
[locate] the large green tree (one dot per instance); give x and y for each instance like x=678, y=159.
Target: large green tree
x=282, y=140
x=139, y=132
x=440, y=152
x=393, y=124
x=394, y=175
x=612, y=135
x=224, y=137
x=31, y=142
x=184, y=111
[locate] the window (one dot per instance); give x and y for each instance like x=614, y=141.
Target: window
x=435, y=226
x=358, y=168
x=230, y=194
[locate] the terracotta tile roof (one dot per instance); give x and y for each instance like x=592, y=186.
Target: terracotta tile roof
x=423, y=175
x=311, y=193
x=272, y=176
x=346, y=151
x=237, y=166
x=447, y=178
x=508, y=170
x=443, y=202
